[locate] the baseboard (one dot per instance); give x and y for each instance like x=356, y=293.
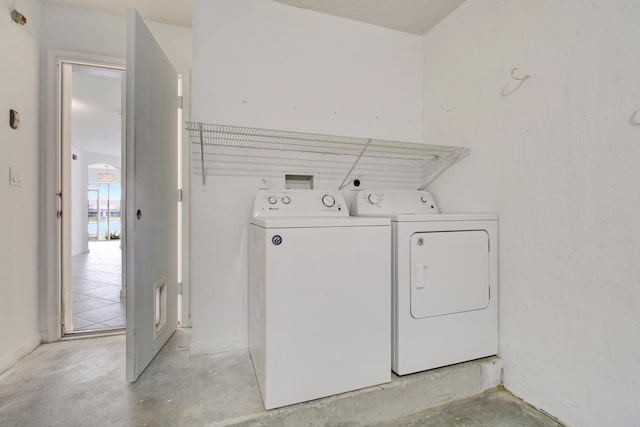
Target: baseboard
x=14, y=357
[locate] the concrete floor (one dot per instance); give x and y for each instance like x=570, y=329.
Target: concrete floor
x=495, y=408
x=82, y=383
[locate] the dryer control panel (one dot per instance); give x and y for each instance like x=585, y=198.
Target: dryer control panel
x=299, y=203
x=393, y=202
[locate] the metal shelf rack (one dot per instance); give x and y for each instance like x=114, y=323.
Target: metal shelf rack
x=229, y=150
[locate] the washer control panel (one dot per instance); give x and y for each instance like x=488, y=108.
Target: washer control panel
x=393, y=202
x=270, y=203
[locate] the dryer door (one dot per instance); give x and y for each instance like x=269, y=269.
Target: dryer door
x=449, y=272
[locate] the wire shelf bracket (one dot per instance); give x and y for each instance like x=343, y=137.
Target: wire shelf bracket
x=227, y=150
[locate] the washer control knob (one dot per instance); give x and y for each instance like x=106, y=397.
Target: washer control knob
x=424, y=199
x=286, y=200
x=328, y=200
x=374, y=199
x=272, y=200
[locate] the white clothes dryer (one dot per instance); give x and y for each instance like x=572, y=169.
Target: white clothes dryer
x=319, y=297
x=445, y=280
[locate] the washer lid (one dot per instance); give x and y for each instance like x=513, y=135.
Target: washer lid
x=319, y=222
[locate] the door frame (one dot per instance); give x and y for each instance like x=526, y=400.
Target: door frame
x=51, y=184
x=64, y=186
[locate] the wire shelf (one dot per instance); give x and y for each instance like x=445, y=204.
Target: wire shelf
x=225, y=149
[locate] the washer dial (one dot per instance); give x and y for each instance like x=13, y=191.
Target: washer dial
x=328, y=200
x=374, y=199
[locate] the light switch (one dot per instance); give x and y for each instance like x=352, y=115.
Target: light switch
x=15, y=177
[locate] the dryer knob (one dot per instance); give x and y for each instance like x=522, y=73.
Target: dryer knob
x=328, y=200
x=424, y=199
x=374, y=199
x=272, y=200
x=286, y=200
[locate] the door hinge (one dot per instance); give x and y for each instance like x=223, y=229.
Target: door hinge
x=181, y=102
x=59, y=214
x=180, y=288
x=179, y=194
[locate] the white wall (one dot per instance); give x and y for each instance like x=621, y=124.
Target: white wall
x=559, y=161
x=97, y=33
x=264, y=64
x=20, y=206
x=80, y=34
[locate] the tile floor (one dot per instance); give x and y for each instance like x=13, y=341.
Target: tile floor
x=97, y=280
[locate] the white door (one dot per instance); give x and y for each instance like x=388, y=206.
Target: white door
x=151, y=197
x=449, y=272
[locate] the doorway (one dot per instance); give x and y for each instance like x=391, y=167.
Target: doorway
x=93, y=291
x=98, y=298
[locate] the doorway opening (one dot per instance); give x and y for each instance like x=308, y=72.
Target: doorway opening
x=98, y=297
x=93, y=290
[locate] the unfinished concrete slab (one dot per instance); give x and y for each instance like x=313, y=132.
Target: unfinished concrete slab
x=496, y=408
x=82, y=382
x=387, y=402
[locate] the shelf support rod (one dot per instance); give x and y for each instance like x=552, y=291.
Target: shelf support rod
x=204, y=174
x=344, y=181
x=442, y=164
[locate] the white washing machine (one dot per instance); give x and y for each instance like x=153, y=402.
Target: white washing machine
x=319, y=297
x=445, y=280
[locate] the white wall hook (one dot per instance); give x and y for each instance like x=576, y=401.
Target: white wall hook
x=521, y=80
